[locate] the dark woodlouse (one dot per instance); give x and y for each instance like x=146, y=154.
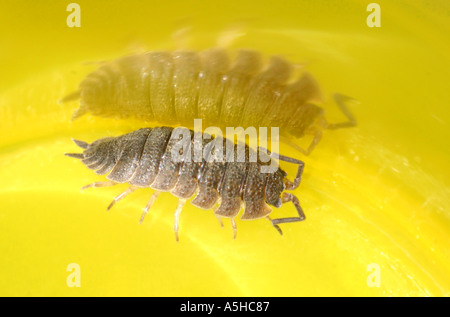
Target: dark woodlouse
x=173, y=88
x=145, y=158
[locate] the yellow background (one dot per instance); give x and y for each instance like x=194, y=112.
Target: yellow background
x=378, y=193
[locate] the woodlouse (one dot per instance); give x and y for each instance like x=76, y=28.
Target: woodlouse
x=145, y=158
x=173, y=88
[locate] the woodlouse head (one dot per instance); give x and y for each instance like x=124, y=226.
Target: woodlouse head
x=274, y=187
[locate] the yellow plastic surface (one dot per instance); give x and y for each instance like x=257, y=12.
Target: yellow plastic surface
x=375, y=196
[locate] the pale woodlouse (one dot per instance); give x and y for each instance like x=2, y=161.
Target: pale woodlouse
x=173, y=88
x=144, y=158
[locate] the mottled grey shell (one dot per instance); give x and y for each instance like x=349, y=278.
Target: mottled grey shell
x=143, y=158
x=173, y=88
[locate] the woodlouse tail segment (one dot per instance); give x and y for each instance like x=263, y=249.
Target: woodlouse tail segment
x=81, y=144
x=75, y=155
x=341, y=101
x=78, y=113
x=287, y=197
x=73, y=96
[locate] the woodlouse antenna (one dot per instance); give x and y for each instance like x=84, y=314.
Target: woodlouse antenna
x=275, y=225
x=288, y=197
x=340, y=101
x=301, y=165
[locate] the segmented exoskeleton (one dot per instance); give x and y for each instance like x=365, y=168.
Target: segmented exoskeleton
x=152, y=157
x=173, y=88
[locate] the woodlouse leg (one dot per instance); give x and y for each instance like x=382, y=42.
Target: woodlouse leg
x=230, y=35
x=183, y=38
x=340, y=101
x=99, y=184
x=274, y=225
x=233, y=225
x=125, y=193
x=149, y=205
x=220, y=221
x=176, y=226
x=314, y=142
x=311, y=146
x=301, y=165
x=287, y=197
